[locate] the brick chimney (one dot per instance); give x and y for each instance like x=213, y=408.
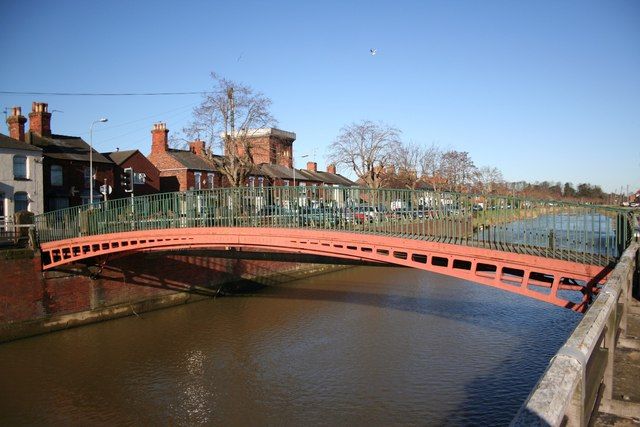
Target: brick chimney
x=40, y=119
x=16, y=123
x=331, y=168
x=159, y=138
x=312, y=166
x=197, y=147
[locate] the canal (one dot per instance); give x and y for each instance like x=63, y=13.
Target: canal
x=362, y=346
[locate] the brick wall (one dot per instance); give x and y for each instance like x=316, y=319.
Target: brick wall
x=139, y=163
x=32, y=302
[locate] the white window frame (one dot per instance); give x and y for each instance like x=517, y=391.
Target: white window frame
x=15, y=201
x=23, y=163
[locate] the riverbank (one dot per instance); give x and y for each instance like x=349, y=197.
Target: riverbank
x=34, y=302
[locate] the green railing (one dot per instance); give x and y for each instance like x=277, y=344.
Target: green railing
x=582, y=233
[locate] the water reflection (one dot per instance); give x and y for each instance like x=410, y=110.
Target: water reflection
x=368, y=345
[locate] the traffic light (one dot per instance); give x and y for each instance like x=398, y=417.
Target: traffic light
x=126, y=180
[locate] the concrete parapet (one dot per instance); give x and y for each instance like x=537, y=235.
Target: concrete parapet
x=567, y=392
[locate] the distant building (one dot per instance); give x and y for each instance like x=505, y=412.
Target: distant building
x=182, y=170
x=20, y=172
x=65, y=176
x=147, y=179
x=271, y=146
x=272, y=153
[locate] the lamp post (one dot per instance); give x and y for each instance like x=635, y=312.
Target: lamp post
x=294, y=168
x=102, y=120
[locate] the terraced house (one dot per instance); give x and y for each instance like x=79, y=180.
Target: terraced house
x=20, y=172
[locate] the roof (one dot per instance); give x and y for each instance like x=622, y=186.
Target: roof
x=283, y=172
x=276, y=171
x=14, y=144
x=192, y=161
x=257, y=133
x=335, y=178
x=119, y=157
x=66, y=148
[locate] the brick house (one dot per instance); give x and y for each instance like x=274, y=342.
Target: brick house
x=182, y=170
x=271, y=146
x=20, y=174
x=272, y=152
x=141, y=165
x=65, y=176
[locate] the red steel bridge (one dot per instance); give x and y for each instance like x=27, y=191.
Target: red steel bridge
x=555, y=252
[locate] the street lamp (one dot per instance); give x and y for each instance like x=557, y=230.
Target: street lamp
x=294, y=168
x=102, y=120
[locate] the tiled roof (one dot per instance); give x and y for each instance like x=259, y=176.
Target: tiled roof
x=191, y=161
x=14, y=144
x=276, y=171
x=66, y=148
x=119, y=157
x=335, y=178
x=283, y=172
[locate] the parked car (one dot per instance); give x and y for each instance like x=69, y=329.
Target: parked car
x=317, y=216
x=369, y=214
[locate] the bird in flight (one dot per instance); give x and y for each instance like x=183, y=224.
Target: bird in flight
x=373, y=51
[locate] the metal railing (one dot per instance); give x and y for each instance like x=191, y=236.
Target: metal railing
x=582, y=370
x=12, y=234
x=576, y=232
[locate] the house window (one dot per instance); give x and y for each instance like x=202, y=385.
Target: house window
x=56, y=203
x=19, y=167
x=197, y=176
x=21, y=201
x=285, y=182
x=211, y=180
x=252, y=181
x=1, y=207
x=87, y=176
x=260, y=181
x=56, y=175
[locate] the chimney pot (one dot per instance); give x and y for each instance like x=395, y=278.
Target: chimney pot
x=40, y=119
x=331, y=168
x=197, y=147
x=16, y=123
x=159, y=138
x=312, y=166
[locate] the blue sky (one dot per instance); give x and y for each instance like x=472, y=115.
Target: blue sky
x=543, y=90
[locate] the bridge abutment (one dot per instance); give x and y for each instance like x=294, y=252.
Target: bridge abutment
x=34, y=302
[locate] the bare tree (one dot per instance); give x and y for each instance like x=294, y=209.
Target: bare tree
x=457, y=169
x=406, y=162
x=488, y=177
x=431, y=165
x=366, y=147
x=226, y=118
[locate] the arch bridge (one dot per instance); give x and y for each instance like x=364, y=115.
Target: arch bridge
x=559, y=253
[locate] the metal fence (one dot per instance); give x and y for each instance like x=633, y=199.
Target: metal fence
x=576, y=232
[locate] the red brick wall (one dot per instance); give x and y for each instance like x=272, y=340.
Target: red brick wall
x=26, y=295
x=21, y=292
x=139, y=163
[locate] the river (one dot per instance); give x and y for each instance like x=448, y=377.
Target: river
x=362, y=346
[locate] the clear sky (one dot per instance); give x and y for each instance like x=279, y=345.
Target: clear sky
x=543, y=90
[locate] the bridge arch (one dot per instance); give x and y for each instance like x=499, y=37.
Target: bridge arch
x=536, y=277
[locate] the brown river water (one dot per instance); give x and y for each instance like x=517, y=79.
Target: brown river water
x=362, y=346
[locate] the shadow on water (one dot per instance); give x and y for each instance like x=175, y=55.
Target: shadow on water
x=521, y=319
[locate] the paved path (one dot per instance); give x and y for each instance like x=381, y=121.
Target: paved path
x=625, y=409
